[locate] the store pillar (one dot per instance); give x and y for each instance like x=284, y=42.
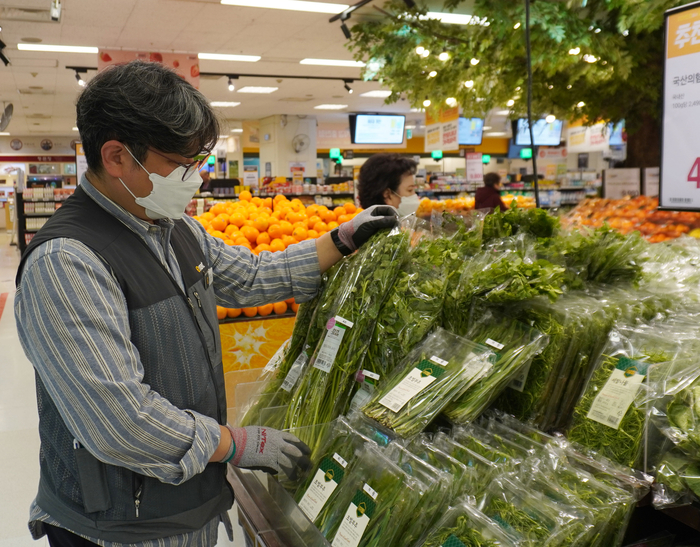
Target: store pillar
x=286, y=143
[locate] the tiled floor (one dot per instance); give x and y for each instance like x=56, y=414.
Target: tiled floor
x=19, y=438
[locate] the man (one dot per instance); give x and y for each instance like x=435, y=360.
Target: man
x=489, y=195
x=206, y=181
x=116, y=310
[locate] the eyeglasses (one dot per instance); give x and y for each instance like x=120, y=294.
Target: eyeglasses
x=190, y=168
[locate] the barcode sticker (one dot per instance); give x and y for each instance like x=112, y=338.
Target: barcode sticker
x=494, y=344
x=435, y=359
x=295, y=371
x=329, y=348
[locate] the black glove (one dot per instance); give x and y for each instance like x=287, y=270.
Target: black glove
x=350, y=236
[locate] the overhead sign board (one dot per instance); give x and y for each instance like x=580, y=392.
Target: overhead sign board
x=680, y=157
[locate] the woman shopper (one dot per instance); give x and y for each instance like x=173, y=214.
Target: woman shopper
x=389, y=179
x=489, y=195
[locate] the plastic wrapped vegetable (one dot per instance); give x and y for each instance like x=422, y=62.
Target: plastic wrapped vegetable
x=611, y=416
x=437, y=371
x=373, y=505
x=464, y=525
x=484, y=441
x=677, y=480
x=436, y=496
x=534, y=222
x=324, y=391
x=515, y=345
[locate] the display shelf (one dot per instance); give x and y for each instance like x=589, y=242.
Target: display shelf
x=242, y=318
x=28, y=215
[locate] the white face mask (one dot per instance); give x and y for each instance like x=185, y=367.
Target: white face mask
x=408, y=205
x=170, y=195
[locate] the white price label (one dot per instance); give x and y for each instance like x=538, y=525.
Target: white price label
x=370, y=374
x=414, y=382
x=294, y=372
x=337, y=457
x=372, y=493
x=438, y=361
x=494, y=344
x=343, y=321
x=613, y=401
x=518, y=383
x=329, y=348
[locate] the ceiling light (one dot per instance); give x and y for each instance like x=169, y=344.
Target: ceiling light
x=226, y=57
x=469, y=84
x=581, y=104
x=56, y=49
x=517, y=26
x=223, y=136
x=291, y=5
x=417, y=110
x=330, y=106
x=503, y=113
x=474, y=62
x=590, y=58
x=551, y=118
x=510, y=103
x=426, y=102
x=377, y=93
x=236, y=130
x=575, y=51
x=496, y=134
x=451, y=101
x=432, y=74
x=75, y=129
x=347, y=87
x=332, y=62
x=487, y=127
x=223, y=104
x=78, y=77
x=410, y=127
x=444, y=56
x=450, y=18
x=4, y=134
x=231, y=87
x=257, y=89
x=420, y=50
x=425, y=53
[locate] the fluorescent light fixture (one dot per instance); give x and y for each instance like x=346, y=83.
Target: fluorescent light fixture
x=56, y=49
x=75, y=129
x=503, y=112
x=330, y=106
x=487, y=127
x=257, y=89
x=496, y=134
x=4, y=134
x=332, y=62
x=226, y=57
x=223, y=136
x=223, y=104
x=291, y=5
x=236, y=130
x=450, y=18
x=377, y=94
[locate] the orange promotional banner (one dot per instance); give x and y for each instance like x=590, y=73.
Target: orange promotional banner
x=683, y=33
x=185, y=64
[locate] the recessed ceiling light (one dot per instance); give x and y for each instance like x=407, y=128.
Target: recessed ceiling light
x=257, y=89
x=377, y=93
x=226, y=57
x=75, y=129
x=4, y=133
x=291, y=5
x=330, y=106
x=332, y=62
x=56, y=49
x=223, y=104
x=236, y=130
x=496, y=134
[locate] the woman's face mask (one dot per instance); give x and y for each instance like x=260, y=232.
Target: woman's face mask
x=170, y=195
x=408, y=205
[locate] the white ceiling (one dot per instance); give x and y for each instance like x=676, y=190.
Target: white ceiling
x=282, y=38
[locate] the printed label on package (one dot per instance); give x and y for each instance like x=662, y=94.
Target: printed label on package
x=295, y=371
x=274, y=363
x=518, y=383
x=494, y=344
x=344, y=322
x=328, y=476
x=439, y=361
x=329, y=348
x=611, y=404
x=356, y=519
x=414, y=382
x=370, y=374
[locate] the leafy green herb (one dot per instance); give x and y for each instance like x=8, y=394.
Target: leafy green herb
x=462, y=531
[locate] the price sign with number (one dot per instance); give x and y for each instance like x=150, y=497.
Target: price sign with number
x=680, y=157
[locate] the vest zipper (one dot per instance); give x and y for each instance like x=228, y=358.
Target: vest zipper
x=137, y=501
x=206, y=319
x=138, y=490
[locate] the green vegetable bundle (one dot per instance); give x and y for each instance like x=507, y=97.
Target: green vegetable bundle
x=493, y=446
x=437, y=371
x=376, y=489
x=465, y=525
x=677, y=480
x=324, y=390
x=515, y=344
x=534, y=222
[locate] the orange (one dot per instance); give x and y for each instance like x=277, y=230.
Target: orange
x=279, y=307
x=204, y=222
x=277, y=245
x=242, y=241
x=313, y=234
x=217, y=233
x=257, y=201
x=260, y=223
x=250, y=312
x=320, y=227
x=311, y=210
x=350, y=208
x=327, y=216
x=217, y=209
x=322, y=232
x=250, y=233
x=313, y=220
x=267, y=202
x=339, y=211
x=208, y=216
x=248, y=223
x=237, y=219
x=286, y=227
x=263, y=238
x=220, y=312
x=321, y=209
x=288, y=240
x=358, y=210
x=279, y=197
x=233, y=312
x=275, y=231
x=342, y=219
x=332, y=225
x=219, y=223
x=263, y=247
x=230, y=229
x=296, y=217
x=245, y=196
x=300, y=233
x=266, y=309
x=229, y=242
x=295, y=307
x=290, y=301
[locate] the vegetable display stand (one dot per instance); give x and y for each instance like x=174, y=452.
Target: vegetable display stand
x=268, y=514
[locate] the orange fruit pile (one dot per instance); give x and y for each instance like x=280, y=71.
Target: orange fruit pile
x=278, y=308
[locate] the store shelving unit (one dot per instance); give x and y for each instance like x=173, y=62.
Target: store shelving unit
x=22, y=230
x=243, y=319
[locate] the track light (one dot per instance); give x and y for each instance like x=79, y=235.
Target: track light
x=2, y=55
x=79, y=78
x=231, y=87
x=346, y=31
x=347, y=87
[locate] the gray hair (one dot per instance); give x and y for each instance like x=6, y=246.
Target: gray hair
x=144, y=105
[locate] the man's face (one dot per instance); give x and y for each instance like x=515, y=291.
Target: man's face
x=157, y=162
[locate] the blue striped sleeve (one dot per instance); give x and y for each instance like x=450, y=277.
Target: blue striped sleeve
x=242, y=279
x=73, y=324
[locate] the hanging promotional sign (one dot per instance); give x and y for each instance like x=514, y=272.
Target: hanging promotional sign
x=475, y=168
x=442, y=132
x=621, y=183
x=680, y=158
x=185, y=64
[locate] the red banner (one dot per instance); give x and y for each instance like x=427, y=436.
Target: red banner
x=185, y=64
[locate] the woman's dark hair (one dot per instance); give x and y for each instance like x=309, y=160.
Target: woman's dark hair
x=380, y=172
x=144, y=105
x=491, y=179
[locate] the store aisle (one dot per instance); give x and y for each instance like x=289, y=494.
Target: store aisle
x=19, y=436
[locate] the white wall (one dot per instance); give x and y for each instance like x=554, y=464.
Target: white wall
x=277, y=148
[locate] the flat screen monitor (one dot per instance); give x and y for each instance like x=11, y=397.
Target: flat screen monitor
x=545, y=134
x=618, y=136
x=471, y=131
x=377, y=128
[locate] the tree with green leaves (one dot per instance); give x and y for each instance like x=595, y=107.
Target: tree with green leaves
x=597, y=60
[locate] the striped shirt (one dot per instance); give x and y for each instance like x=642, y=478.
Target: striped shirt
x=73, y=324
